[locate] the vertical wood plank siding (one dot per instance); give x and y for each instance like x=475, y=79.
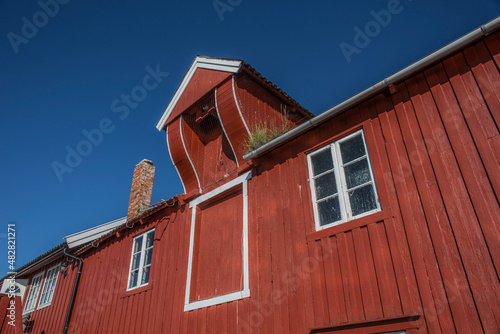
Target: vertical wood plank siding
x=433, y=253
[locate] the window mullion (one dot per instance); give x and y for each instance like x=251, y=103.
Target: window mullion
x=327, y=198
x=355, y=160
x=345, y=208
x=141, y=259
x=320, y=175
x=360, y=186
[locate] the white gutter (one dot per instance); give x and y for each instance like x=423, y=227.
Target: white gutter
x=447, y=50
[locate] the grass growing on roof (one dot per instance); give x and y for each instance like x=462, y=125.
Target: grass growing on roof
x=263, y=134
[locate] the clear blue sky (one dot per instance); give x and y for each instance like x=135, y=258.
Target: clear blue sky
x=62, y=79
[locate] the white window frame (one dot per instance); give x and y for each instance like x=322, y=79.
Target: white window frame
x=141, y=260
x=33, y=293
x=54, y=269
x=239, y=181
x=338, y=166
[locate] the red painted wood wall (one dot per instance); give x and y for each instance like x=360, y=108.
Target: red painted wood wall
x=427, y=263
x=217, y=260
x=7, y=322
x=51, y=318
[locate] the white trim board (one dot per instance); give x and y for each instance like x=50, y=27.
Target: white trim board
x=221, y=189
x=241, y=180
x=237, y=102
x=173, y=162
x=187, y=153
x=224, y=130
x=223, y=65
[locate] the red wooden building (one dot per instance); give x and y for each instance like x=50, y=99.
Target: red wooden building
x=380, y=215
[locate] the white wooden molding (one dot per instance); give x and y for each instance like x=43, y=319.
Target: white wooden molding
x=187, y=154
x=173, y=162
x=236, y=100
x=224, y=130
x=188, y=306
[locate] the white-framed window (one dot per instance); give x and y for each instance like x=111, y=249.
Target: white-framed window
x=239, y=184
x=48, y=287
x=33, y=293
x=140, y=263
x=342, y=182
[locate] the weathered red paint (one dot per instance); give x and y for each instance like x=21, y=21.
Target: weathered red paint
x=427, y=263
x=217, y=260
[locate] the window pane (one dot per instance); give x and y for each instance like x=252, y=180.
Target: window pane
x=148, y=255
x=145, y=275
x=135, y=261
x=42, y=299
x=138, y=244
x=149, y=241
x=133, y=278
x=49, y=295
x=322, y=162
x=362, y=200
x=329, y=211
x=325, y=185
x=352, y=148
x=357, y=173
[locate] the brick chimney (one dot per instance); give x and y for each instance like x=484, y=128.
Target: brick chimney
x=142, y=187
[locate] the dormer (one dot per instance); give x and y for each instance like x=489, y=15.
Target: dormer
x=218, y=104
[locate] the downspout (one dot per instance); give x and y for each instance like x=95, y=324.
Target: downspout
x=75, y=286
x=447, y=50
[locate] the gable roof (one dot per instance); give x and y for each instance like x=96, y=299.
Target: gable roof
x=200, y=62
x=225, y=65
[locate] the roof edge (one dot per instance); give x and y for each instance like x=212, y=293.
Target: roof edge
x=415, y=67
x=129, y=224
x=93, y=228
x=91, y=234
x=45, y=257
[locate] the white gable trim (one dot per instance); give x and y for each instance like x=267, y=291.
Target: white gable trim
x=94, y=233
x=223, y=65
